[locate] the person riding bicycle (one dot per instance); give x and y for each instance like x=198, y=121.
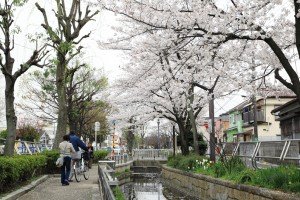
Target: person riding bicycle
x=76, y=142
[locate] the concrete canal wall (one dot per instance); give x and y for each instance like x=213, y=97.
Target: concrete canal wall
x=123, y=166
x=208, y=188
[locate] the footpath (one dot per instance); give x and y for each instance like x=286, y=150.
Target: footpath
x=52, y=189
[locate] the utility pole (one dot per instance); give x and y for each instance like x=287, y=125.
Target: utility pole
x=255, y=133
x=212, y=154
x=174, y=147
x=158, y=142
x=113, y=139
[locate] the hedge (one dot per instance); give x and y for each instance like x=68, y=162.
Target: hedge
x=99, y=155
x=17, y=169
x=51, y=157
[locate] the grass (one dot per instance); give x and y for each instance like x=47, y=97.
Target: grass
x=119, y=195
x=285, y=178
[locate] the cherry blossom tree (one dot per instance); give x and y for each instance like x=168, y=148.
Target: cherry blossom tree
x=267, y=29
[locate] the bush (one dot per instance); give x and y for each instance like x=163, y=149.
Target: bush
x=16, y=169
x=119, y=195
x=173, y=161
x=246, y=176
x=234, y=164
x=51, y=157
x=219, y=169
x=286, y=178
x=99, y=155
x=3, y=134
x=186, y=163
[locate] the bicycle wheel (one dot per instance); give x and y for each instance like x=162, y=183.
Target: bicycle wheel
x=86, y=172
x=77, y=172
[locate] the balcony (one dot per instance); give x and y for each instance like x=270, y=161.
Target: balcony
x=248, y=117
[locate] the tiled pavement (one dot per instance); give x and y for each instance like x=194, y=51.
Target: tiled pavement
x=52, y=189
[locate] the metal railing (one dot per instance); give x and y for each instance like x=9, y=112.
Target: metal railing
x=107, y=180
x=120, y=158
x=151, y=154
x=22, y=147
x=265, y=153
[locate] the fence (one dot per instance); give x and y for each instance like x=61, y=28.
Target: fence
x=107, y=180
x=121, y=158
x=265, y=153
x=22, y=147
x=151, y=154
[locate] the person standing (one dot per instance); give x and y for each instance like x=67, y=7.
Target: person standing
x=91, y=154
x=77, y=143
x=66, y=148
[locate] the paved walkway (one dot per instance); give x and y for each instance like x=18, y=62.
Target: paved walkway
x=52, y=189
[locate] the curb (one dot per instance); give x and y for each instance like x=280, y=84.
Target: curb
x=16, y=194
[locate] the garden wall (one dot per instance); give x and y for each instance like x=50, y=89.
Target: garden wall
x=208, y=188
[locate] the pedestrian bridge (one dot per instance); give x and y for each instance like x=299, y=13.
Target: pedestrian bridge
x=143, y=154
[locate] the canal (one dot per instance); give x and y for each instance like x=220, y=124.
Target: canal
x=150, y=186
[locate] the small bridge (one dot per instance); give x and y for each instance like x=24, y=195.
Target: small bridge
x=143, y=154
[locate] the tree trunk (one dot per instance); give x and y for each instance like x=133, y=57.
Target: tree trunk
x=184, y=147
x=130, y=140
x=212, y=144
x=193, y=120
x=11, y=119
x=62, y=119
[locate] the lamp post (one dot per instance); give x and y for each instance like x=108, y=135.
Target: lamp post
x=158, y=142
x=97, y=128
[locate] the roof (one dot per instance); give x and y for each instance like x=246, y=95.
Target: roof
x=284, y=106
x=249, y=102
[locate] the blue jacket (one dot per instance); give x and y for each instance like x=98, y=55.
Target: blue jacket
x=76, y=142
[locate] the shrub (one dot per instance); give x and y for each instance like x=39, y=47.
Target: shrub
x=234, y=164
x=202, y=147
x=3, y=134
x=16, y=169
x=219, y=169
x=51, y=156
x=173, y=161
x=246, y=176
x=99, y=155
x=119, y=195
x=283, y=177
x=187, y=163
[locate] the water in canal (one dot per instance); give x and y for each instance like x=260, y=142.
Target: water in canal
x=150, y=186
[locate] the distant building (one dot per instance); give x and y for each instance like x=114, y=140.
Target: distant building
x=241, y=120
x=289, y=117
x=47, y=139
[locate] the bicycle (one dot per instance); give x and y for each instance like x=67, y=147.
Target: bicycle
x=81, y=168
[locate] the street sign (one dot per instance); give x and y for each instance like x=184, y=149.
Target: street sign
x=97, y=126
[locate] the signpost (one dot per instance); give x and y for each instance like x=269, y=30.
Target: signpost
x=97, y=128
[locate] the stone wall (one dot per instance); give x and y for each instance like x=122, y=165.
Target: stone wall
x=208, y=188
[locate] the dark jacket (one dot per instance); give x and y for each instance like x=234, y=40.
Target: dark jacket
x=76, y=142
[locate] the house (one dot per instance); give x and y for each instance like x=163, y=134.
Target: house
x=241, y=120
x=47, y=140
x=235, y=123
x=289, y=117
x=221, y=124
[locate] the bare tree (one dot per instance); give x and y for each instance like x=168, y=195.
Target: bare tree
x=7, y=68
x=65, y=40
